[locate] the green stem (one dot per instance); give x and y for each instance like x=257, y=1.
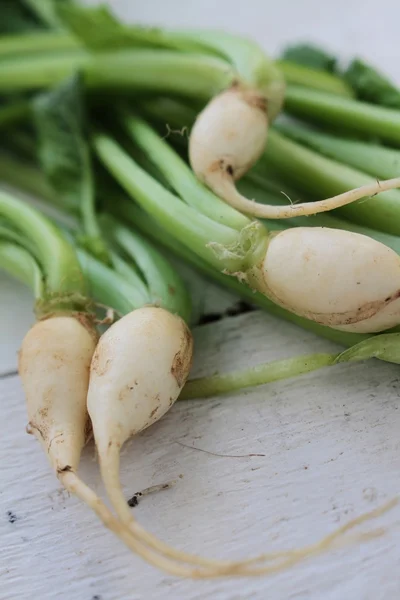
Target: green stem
x=21, y=265
x=164, y=286
x=247, y=58
x=9, y=234
x=322, y=177
x=179, y=175
x=174, y=115
x=346, y=114
x=131, y=274
x=385, y=347
x=191, y=75
x=31, y=43
x=108, y=287
x=374, y=159
x=92, y=239
x=204, y=387
x=65, y=284
x=192, y=228
x=312, y=78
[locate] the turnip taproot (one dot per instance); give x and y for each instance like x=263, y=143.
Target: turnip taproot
x=54, y=363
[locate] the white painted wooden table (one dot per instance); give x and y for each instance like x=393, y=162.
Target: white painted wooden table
x=330, y=439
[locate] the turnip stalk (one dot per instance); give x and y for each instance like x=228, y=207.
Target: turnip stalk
x=375, y=159
x=297, y=74
x=21, y=265
x=384, y=347
x=349, y=115
x=194, y=76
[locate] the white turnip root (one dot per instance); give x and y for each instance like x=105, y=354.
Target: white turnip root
x=342, y=279
x=138, y=370
x=54, y=365
x=230, y=135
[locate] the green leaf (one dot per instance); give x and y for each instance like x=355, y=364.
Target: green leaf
x=385, y=346
x=310, y=56
x=99, y=29
x=371, y=85
x=16, y=17
x=64, y=154
x=95, y=26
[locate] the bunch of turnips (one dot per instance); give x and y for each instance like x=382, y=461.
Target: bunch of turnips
x=152, y=143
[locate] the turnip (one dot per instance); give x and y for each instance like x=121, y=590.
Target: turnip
x=337, y=278
x=229, y=136
x=54, y=364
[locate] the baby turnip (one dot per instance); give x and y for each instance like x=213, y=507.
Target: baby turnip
x=138, y=370
x=54, y=363
x=230, y=135
x=342, y=279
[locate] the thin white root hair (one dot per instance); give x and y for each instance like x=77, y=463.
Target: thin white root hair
x=224, y=187
x=77, y=487
x=239, y=567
